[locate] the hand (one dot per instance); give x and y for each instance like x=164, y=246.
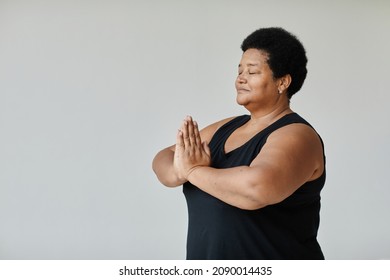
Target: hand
x=190, y=152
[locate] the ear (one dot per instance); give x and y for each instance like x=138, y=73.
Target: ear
x=284, y=83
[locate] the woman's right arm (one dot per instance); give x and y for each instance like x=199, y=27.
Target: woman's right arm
x=163, y=167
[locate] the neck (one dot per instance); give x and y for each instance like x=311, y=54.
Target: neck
x=270, y=115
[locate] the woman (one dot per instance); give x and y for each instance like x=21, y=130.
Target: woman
x=252, y=182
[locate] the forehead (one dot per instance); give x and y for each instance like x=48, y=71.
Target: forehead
x=254, y=56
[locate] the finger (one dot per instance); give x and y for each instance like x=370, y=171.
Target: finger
x=191, y=133
x=179, y=139
x=184, y=130
x=198, y=140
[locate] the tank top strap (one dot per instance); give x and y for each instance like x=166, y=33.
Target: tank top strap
x=283, y=121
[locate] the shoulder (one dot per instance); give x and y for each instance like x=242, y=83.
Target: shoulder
x=299, y=142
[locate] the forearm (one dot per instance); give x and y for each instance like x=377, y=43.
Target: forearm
x=164, y=170
x=230, y=185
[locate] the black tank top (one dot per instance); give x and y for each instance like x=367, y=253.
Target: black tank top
x=286, y=230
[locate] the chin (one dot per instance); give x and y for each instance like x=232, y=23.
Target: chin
x=241, y=101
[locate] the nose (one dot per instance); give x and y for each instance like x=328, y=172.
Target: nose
x=241, y=79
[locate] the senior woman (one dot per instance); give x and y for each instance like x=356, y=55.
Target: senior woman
x=253, y=182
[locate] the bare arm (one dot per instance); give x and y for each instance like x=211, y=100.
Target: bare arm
x=291, y=157
x=163, y=167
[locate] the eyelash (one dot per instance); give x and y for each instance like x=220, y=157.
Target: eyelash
x=250, y=73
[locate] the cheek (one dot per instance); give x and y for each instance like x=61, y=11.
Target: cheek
x=257, y=84
x=264, y=84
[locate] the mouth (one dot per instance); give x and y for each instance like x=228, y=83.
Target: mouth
x=242, y=90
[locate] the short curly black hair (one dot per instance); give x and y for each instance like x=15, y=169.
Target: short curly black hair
x=286, y=54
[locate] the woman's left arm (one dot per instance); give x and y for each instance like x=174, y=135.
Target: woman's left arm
x=292, y=156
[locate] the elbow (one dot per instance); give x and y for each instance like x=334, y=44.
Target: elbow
x=169, y=183
x=262, y=192
x=166, y=177
x=255, y=198
x=166, y=180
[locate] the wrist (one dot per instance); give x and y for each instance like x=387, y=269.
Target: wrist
x=180, y=179
x=193, y=173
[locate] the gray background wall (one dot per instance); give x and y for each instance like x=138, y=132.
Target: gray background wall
x=91, y=90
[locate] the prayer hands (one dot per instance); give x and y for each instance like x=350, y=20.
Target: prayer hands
x=190, y=152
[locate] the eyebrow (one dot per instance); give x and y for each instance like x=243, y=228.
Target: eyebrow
x=249, y=64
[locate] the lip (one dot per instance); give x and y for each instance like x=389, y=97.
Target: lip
x=242, y=90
